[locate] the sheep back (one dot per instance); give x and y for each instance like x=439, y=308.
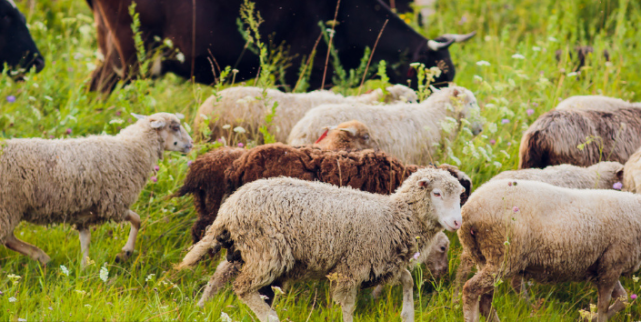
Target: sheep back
x=554, y=138
x=602, y=175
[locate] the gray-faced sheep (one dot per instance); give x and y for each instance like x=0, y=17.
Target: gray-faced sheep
x=606, y=135
x=272, y=227
x=406, y=131
x=603, y=175
x=219, y=173
x=550, y=234
x=244, y=106
x=82, y=181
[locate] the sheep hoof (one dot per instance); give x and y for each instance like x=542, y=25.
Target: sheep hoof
x=123, y=256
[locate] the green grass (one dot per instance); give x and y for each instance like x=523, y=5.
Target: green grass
x=55, y=100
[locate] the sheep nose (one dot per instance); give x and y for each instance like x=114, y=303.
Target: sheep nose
x=457, y=224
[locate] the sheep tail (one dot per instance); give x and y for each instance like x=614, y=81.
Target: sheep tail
x=199, y=250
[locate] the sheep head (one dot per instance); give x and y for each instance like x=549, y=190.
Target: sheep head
x=460, y=103
x=352, y=135
x=434, y=196
x=437, y=261
x=173, y=135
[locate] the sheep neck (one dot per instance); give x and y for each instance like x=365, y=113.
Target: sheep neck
x=146, y=140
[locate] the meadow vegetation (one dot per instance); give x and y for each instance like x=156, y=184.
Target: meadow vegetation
x=510, y=66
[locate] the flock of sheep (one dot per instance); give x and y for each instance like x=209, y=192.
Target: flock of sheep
x=345, y=194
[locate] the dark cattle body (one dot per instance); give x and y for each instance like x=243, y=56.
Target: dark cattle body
x=17, y=48
x=292, y=22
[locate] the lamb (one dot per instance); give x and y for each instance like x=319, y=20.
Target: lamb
x=406, y=131
x=604, y=135
x=244, y=106
x=603, y=175
x=272, y=227
x=210, y=181
x=84, y=181
x=552, y=235
x=595, y=102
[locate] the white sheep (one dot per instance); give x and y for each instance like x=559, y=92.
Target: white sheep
x=83, y=181
x=285, y=229
x=632, y=173
x=602, y=175
x=550, y=234
x=246, y=107
x=594, y=102
x=407, y=131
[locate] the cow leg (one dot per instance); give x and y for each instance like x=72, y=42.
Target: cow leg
x=134, y=220
x=23, y=248
x=482, y=283
x=407, y=314
x=225, y=272
x=85, y=239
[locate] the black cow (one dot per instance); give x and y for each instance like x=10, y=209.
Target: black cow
x=17, y=49
x=293, y=22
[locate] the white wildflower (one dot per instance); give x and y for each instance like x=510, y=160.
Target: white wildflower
x=224, y=317
x=478, y=78
x=180, y=57
x=12, y=299
x=88, y=305
x=64, y=270
x=536, y=48
x=150, y=277
x=14, y=278
x=22, y=320
x=168, y=43
x=104, y=273
x=572, y=74
x=552, y=39
x=518, y=56
x=277, y=290
x=226, y=127
x=239, y=129
x=483, y=63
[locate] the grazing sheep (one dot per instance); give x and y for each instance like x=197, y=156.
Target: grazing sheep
x=84, y=181
x=285, y=229
x=552, y=235
x=352, y=135
x=244, y=106
x=406, y=131
x=595, y=102
x=367, y=170
x=603, y=175
x=611, y=135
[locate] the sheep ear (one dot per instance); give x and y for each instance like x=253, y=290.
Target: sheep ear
x=619, y=175
x=157, y=124
x=423, y=183
x=138, y=116
x=180, y=116
x=351, y=130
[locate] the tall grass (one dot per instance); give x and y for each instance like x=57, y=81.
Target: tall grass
x=517, y=80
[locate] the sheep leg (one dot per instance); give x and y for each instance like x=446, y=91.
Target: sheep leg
x=485, y=306
x=346, y=296
x=85, y=240
x=619, y=295
x=376, y=293
x=520, y=286
x=605, y=290
x=134, y=220
x=23, y=248
x=225, y=272
x=481, y=283
x=407, y=314
x=464, y=269
x=262, y=310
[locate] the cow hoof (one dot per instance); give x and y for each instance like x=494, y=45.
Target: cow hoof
x=123, y=256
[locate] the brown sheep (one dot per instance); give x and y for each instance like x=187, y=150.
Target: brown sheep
x=367, y=170
x=612, y=135
x=352, y=135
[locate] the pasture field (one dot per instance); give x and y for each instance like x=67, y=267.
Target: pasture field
x=510, y=66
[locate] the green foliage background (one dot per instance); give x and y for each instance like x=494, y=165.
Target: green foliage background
x=146, y=287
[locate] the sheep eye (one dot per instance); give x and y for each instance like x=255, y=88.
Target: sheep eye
x=175, y=128
x=436, y=194
x=443, y=248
